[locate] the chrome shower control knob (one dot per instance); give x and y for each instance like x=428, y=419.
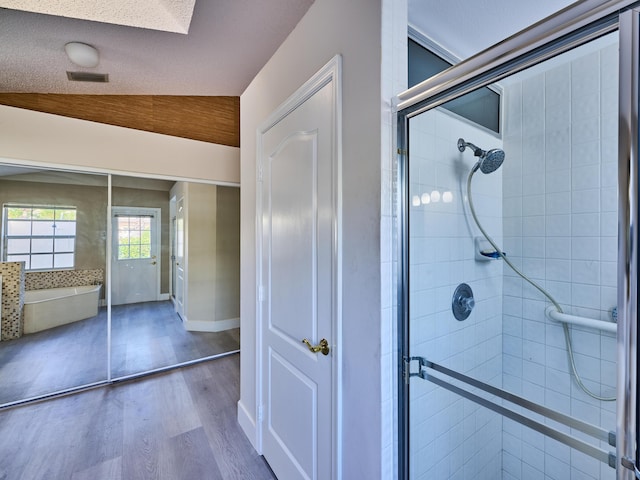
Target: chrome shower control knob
x=462, y=302
x=467, y=304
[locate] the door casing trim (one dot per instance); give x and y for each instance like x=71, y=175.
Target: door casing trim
x=330, y=73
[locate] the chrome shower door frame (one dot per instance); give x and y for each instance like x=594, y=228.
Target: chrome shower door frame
x=571, y=27
x=627, y=411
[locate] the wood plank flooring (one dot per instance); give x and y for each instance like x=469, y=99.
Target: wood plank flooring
x=179, y=425
x=144, y=336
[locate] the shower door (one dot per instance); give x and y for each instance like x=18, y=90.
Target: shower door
x=509, y=269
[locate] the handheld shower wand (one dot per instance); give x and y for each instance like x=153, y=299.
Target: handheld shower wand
x=489, y=161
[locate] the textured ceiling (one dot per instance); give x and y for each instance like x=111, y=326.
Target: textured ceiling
x=167, y=15
x=466, y=27
x=228, y=42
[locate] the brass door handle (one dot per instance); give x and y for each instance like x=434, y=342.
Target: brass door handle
x=323, y=346
x=153, y=263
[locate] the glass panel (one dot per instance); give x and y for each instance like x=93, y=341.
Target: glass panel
x=481, y=106
x=134, y=251
x=64, y=244
x=546, y=194
x=123, y=252
x=44, y=228
x=70, y=349
x=42, y=245
x=18, y=228
x=63, y=260
x=65, y=228
x=18, y=245
x=43, y=214
x=20, y=258
x=65, y=214
x=148, y=330
x=18, y=212
x=42, y=262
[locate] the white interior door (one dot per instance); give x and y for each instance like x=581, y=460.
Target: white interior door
x=298, y=161
x=135, y=265
x=179, y=264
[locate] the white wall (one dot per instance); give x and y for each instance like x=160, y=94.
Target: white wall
x=352, y=29
x=44, y=138
x=394, y=80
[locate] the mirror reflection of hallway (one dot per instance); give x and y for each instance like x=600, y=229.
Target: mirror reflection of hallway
x=145, y=335
x=195, y=313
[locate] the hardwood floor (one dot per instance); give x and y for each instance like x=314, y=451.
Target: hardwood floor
x=144, y=336
x=179, y=425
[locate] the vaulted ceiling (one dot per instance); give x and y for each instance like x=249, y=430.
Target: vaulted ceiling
x=205, y=51
x=227, y=43
x=223, y=43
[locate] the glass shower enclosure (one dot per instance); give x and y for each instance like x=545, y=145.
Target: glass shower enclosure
x=518, y=257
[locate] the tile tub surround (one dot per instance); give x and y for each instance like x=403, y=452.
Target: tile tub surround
x=15, y=281
x=12, y=299
x=63, y=278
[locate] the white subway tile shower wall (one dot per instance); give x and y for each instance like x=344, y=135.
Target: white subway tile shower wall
x=560, y=217
x=452, y=438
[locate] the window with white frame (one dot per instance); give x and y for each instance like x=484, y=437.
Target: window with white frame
x=134, y=237
x=44, y=237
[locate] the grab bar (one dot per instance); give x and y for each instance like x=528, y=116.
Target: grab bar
x=424, y=367
x=555, y=315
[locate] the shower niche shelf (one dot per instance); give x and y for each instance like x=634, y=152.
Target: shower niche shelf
x=484, y=251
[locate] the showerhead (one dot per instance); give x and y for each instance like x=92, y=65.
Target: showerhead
x=489, y=161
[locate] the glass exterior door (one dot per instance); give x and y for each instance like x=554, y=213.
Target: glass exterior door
x=510, y=275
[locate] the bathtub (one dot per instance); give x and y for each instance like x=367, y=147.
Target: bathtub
x=52, y=307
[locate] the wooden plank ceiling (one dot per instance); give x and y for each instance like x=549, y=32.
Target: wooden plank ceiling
x=208, y=119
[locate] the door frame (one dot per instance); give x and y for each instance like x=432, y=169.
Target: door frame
x=566, y=29
x=157, y=212
x=330, y=73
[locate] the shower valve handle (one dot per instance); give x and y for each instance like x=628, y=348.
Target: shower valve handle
x=467, y=303
x=462, y=302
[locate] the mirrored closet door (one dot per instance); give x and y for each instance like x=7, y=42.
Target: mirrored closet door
x=54, y=323
x=175, y=265
x=165, y=253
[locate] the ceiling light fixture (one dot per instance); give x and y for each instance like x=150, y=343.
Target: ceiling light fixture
x=82, y=54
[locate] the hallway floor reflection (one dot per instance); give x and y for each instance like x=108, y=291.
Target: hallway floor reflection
x=150, y=335
x=145, y=336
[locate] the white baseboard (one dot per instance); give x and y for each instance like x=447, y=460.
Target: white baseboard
x=248, y=425
x=162, y=297
x=210, y=326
